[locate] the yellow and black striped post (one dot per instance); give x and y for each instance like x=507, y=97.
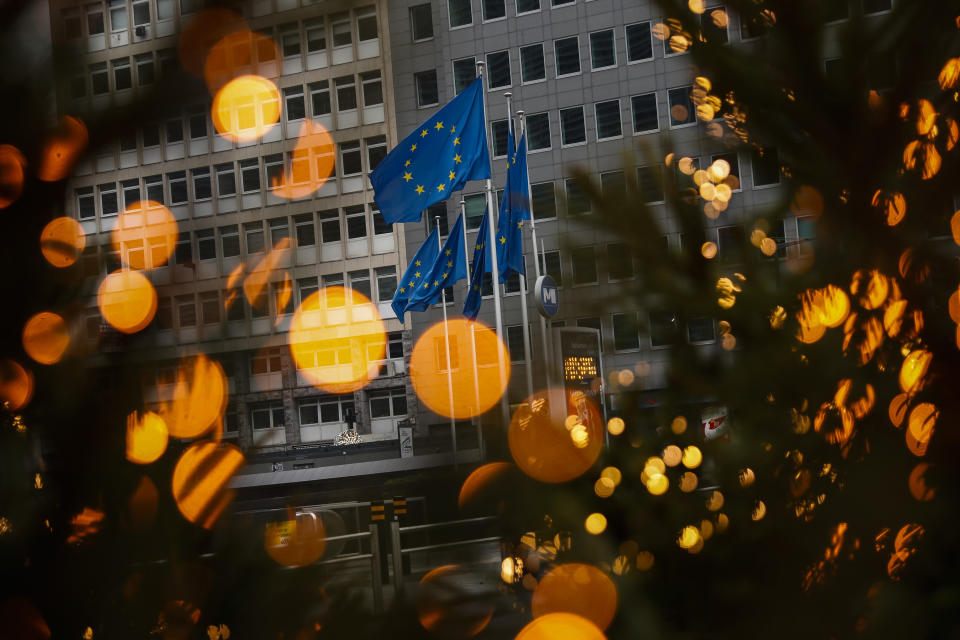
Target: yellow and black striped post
x=378, y=516
x=377, y=510
x=400, y=517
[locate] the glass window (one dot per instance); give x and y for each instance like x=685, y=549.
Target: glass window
x=306, y=236
x=329, y=225
x=608, y=119
x=372, y=88
x=174, y=131
x=602, y=52
x=268, y=416
x=279, y=230
x=426, y=82
x=226, y=180
x=806, y=232
x=493, y=9
x=544, y=200
x=109, y=204
x=141, y=12
x=395, y=345
x=198, y=124
x=700, y=330
x=201, y=183
x=350, y=159
x=346, y=93
x=367, y=24
x=649, y=182
x=145, y=74
x=766, y=167
x=577, y=201
x=681, y=107
x=99, y=79
x=153, y=185
x=664, y=328
x=293, y=100
x=584, y=265
x=713, y=25
x=639, y=44
x=498, y=69
x=498, y=133
x=438, y=210
x=210, y=307
x=380, y=225
x=341, y=30
x=464, y=72
x=625, y=334
x=177, y=181
x=734, y=163
x=94, y=19
x=320, y=97
x=183, y=252
x=86, y=205
x=356, y=216
x=360, y=282
x=619, y=261
x=557, y=3
x=187, y=311
x=150, y=135
x=730, y=244
x=567, y=55
x=376, y=150
x=388, y=403
x=386, y=283
x=421, y=22
x=645, y=117
x=550, y=265
x=316, y=35
x=460, y=13
x=229, y=241
x=131, y=193
x=254, y=236
x=515, y=343
x=118, y=15
x=307, y=287
x=273, y=169
x=290, y=40
x=526, y=6
x=876, y=6
x=206, y=245
x=164, y=10
x=572, y=129
x=538, y=131
x=531, y=63
x=122, y=78
x=614, y=186
x=250, y=174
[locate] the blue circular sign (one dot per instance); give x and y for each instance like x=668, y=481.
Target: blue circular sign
x=547, y=295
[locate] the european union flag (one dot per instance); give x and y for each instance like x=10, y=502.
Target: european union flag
x=415, y=273
x=447, y=268
x=438, y=158
x=514, y=209
x=481, y=265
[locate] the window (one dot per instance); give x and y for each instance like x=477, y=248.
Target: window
x=395, y=345
x=254, y=236
x=183, y=251
x=713, y=25
x=164, y=319
x=498, y=69
x=766, y=167
x=86, y=205
x=388, y=403
x=730, y=244
x=649, y=183
x=639, y=44
x=229, y=241
x=128, y=141
x=360, y=282
x=226, y=180
x=145, y=74
x=372, y=88
x=316, y=35
x=464, y=72
x=836, y=10
x=625, y=334
x=619, y=261
x=806, y=233
x=681, y=107
x=577, y=201
x=734, y=163
x=268, y=416
x=290, y=40
x=493, y=9
x=210, y=307
x=476, y=206
x=273, y=169
x=109, y=204
x=700, y=330
x=567, y=55
x=376, y=150
x=293, y=100
x=206, y=245
x=572, y=130
x=325, y=409
x=131, y=193
x=592, y=323
x=250, y=174
x=460, y=13
x=538, y=131
x=303, y=225
x=121, y=74
x=527, y=6
x=164, y=10
x=320, y=97
x=307, y=287
x=174, y=131
x=342, y=37
x=608, y=119
x=438, y=210
x=350, y=158
x=100, y=81
x=153, y=185
x=279, y=230
x=201, y=183
x=544, y=200
x=167, y=61
x=499, y=134
x=150, y=135
x=664, y=328
x=421, y=22
x=426, y=82
x=515, y=343
x=876, y=6
x=94, y=19
x=141, y=13
x=118, y=15
x=197, y=121
x=584, y=265
x=602, y=53
x=550, y=265
x=187, y=311
x=386, y=283
x=557, y=3
x=329, y=225
x=531, y=63
x=346, y=93
x=356, y=221
x=645, y=117
x=367, y=24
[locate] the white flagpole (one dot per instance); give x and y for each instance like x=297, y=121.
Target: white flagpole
x=495, y=271
x=473, y=338
x=536, y=258
x=446, y=336
x=527, y=347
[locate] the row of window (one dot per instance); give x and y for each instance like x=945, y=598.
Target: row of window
x=89, y=21
x=174, y=188
x=383, y=403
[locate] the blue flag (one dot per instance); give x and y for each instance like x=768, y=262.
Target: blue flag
x=481, y=265
x=415, y=273
x=438, y=158
x=447, y=268
x=514, y=209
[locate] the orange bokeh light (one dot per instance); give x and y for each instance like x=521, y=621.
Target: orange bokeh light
x=146, y=437
x=542, y=446
x=444, y=607
x=145, y=228
x=255, y=285
x=576, y=588
x=311, y=165
x=481, y=485
x=202, y=33
x=872, y=287
x=200, y=480
x=62, y=148
x=16, y=384
x=914, y=370
x=919, y=488
x=296, y=542
x=45, y=337
x=560, y=626
x=241, y=53
x=11, y=174
x=920, y=425
x=197, y=400
x=480, y=352
x=127, y=301
x=898, y=409
x=246, y=108
x=337, y=340
x=62, y=241
x=893, y=205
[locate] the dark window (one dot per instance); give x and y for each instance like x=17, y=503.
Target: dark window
x=356, y=221
x=86, y=205
x=493, y=9
x=295, y=107
x=766, y=167
x=341, y=30
x=876, y=6
x=608, y=119
x=700, y=330
x=122, y=78
x=625, y=334
x=250, y=174
x=645, y=113
x=734, y=163
x=198, y=125
x=460, y=14
x=464, y=72
x=426, y=82
x=206, y=245
x=183, y=253
x=572, y=130
x=376, y=150
x=201, y=183
x=681, y=107
x=550, y=265
x=619, y=261
x=544, y=201
x=329, y=225
x=438, y=210
x=538, y=131
x=351, y=161
x=639, y=45
x=254, y=235
x=664, y=328
x=178, y=187
x=154, y=188
x=320, y=98
x=730, y=244
x=577, y=201
x=557, y=3
x=498, y=69
x=346, y=93
x=306, y=236
x=226, y=180
x=602, y=53
x=316, y=35
x=584, y=265
x=713, y=25
x=372, y=88
x=515, y=341
x=229, y=241
x=174, y=131
x=498, y=131
x=99, y=78
x=525, y=6
x=421, y=22
x=614, y=186
x=531, y=63
x=380, y=225
x=476, y=207
x=648, y=181
x=151, y=135
x=367, y=26
x=568, y=55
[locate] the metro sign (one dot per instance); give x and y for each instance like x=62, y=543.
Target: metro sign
x=714, y=422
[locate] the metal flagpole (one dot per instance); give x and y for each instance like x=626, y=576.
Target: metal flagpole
x=495, y=271
x=536, y=260
x=527, y=347
x=446, y=335
x=473, y=338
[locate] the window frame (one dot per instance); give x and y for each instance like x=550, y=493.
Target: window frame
x=543, y=64
x=596, y=115
x=563, y=134
x=613, y=48
x=556, y=57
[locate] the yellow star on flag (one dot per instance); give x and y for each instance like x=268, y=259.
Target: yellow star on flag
x=423, y=134
x=441, y=187
x=416, y=275
x=444, y=275
x=407, y=176
x=450, y=263
x=420, y=189
x=407, y=163
x=452, y=175
x=402, y=290
x=457, y=158
x=412, y=283
x=448, y=251
x=436, y=283
x=520, y=225
x=418, y=264
x=503, y=240
x=456, y=140
x=413, y=148
x=453, y=129
x=439, y=126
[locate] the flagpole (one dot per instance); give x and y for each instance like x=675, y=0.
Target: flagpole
x=495, y=271
x=473, y=337
x=527, y=347
x=536, y=256
x=446, y=334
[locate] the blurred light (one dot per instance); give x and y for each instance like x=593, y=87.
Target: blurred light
x=678, y=425
x=481, y=486
x=311, y=163
x=12, y=163
x=16, y=384
x=706, y=529
x=511, y=569
x=449, y=607
x=689, y=536
x=918, y=484
x=613, y=474
x=603, y=487
x=923, y=417
x=722, y=522
x=696, y=6
x=45, y=337
x=703, y=82
x=200, y=480
x=949, y=74
x=576, y=588
x=768, y=246
x=62, y=241
x=207, y=29
x=246, y=108
x=894, y=206
x=708, y=250
x=913, y=370
x=580, y=436
x=198, y=398
x=62, y=148
x=149, y=227
x=672, y=455
x=616, y=426
x=759, y=511
x=596, y=523
x=872, y=287
x=621, y=565
x=777, y=317
x=661, y=31
x=715, y=501
x=926, y=117
x=560, y=626
x=256, y=284
x=807, y=201
x=678, y=44
x=127, y=301
x=728, y=342
x=645, y=560
x=298, y=541
x=146, y=437
x=898, y=409
x=719, y=18
x=692, y=457
x=85, y=525
x=686, y=164
x=657, y=484
x=688, y=481
x=625, y=377
x=338, y=342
